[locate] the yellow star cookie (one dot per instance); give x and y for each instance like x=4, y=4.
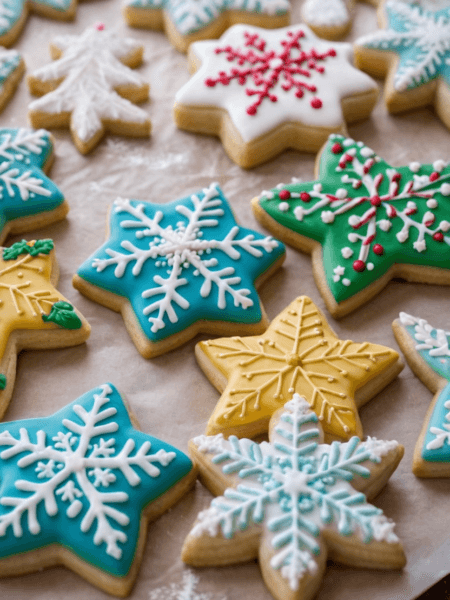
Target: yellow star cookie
x=33, y=314
x=299, y=353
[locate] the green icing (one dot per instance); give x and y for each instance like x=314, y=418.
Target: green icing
x=2, y=381
x=23, y=247
x=63, y=314
x=367, y=215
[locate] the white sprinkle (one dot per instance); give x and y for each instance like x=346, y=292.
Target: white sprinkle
x=346, y=282
x=439, y=165
x=445, y=189
x=370, y=266
x=431, y=203
x=415, y=167
x=283, y=206
x=341, y=193
x=347, y=252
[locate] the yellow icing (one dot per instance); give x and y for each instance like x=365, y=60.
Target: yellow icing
x=298, y=353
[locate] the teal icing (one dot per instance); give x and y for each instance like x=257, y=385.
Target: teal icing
x=11, y=11
x=63, y=439
x=9, y=61
x=438, y=432
x=440, y=364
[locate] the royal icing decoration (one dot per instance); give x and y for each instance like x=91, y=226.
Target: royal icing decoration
x=291, y=492
x=82, y=478
x=182, y=262
x=92, y=67
x=266, y=78
x=421, y=39
x=11, y=69
x=298, y=353
x=24, y=188
x=367, y=215
x=326, y=13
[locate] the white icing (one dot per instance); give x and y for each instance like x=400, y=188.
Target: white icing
x=445, y=189
x=429, y=338
x=325, y=13
x=347, y=252
x=415, y=167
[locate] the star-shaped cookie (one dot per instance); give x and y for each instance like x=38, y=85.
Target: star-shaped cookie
x=262, y=91
x=294, y=502
x=92, y=482
x=414, y=52
x=33, y=314
x=177, y=269
x=299, y=353
x=364, y=222
x=11, y=71
x=187, y=21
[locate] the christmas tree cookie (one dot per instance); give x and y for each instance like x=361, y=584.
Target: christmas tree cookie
x=413, y=51
x=294, y=502
x=33, y=314
x=262, y=91
x=178, y=269
x=364, y=222
x=428, y=354
x=186, y=21
x=92, y=482
x=91, y=87
x=300, y=353
x=11, y=71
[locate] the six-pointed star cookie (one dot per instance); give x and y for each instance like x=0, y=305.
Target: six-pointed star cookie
x=294, y=503
x=427, y=351
x=186, y=21
x=262, y=91
x=33, y=314
x=28, y=199
x=364, y=222
x=92, y=482
x=414, y=52
x=176, y=269
x=298, y=353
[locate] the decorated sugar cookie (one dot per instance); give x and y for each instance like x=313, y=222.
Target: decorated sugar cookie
x=11, y=71
x=186, y=21
x=177, y=269
x=28, y=198
x=294, y=503
x=428, y=354
x=79, y=487
x=364, y=222
x=298, y=353
x=33, y=314
x=413, y=51
x=262, y=91
x=91, y=88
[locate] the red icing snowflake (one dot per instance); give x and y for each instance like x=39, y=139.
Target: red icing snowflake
x=267, y=67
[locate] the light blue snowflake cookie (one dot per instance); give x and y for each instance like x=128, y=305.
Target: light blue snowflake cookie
x=414, y=52
x=427, y=351
x=11, y=71
x=294, y=502
x=177, y=269
x=28, y=198
x=79, y=487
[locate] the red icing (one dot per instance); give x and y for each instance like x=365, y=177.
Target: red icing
x=336, y=148
x=305, y=197
x=438, y=236
x=284, y=195
x=378, y=249
x=375, y=201
x=359, y=266
x=434, y=176
x=316, y=103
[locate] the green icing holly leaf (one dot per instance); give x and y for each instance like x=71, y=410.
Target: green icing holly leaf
x=2, y=381
x=63, y=314
x=23, y=247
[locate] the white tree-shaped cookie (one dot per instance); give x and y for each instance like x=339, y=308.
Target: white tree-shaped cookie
x=294, y=502
x=89, y=87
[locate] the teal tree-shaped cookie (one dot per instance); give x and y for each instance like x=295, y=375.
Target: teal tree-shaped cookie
x=427, y=351
x=301, y=497
x=28, y=198
x=85, y=480
x=182, y=267
x=364, y=221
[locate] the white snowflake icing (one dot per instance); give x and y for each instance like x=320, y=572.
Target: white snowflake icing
x=295, y=487
x=186, y=591
x=71, y=469
x=325, y=13
x=436, y=341
x=422, y=40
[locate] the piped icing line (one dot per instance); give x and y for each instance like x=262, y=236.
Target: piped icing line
x=291, y=491
x=367, y=215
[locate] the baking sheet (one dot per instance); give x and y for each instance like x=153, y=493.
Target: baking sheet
x=170, y=396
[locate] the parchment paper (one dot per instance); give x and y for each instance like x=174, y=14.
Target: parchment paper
x=170, y=396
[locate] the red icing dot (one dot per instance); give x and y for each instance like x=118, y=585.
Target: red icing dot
x=210, y=82
x=305, y=197
x=332, y=52
x=438, y=236
x=284, y=195
x=434, y=176
x=378, y=249
x=251, y=110
x=359, y=265
x=99, y=26
x=375, y=201
x=396, y=177
x=336, y=148
x=316, y=103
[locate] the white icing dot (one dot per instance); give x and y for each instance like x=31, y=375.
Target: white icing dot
x=431, y=203
x=339, y=270
x=346, y=282
x=327, y=216
x=299, y=213
x=445, y=189
x=348, y=142
x=367, y=152
x=414, y=167
x=341, y=193
x=384, y=225
x=402, y=236
x=439, y=165
x=347, y=252
x=353, y=237
x=444, y=225
x=317, y=187
x=419, y=245
x=283, y=206
x=411, y=204
x=370, y=266
x=353, y=220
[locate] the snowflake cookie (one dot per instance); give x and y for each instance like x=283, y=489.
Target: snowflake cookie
x=298, y=353
x=187, y=21
x=92, y=482
x=293, y=503
x=414, y=52
x=364, y=222
x=11, y=71
x=428, y=354
x=177, y=269
x=264, y=91
x=33, y=314
x=89, y=87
